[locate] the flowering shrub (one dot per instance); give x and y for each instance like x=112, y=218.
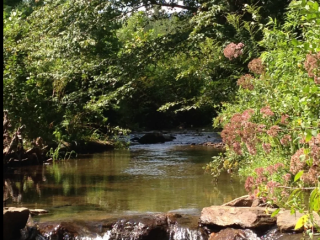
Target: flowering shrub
x=245, y=82
x=272, y=132
x=256, y=66
x=312, y=65
x=233, y=50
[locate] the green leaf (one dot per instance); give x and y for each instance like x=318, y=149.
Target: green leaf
x=314, y=132
x=314, y=200
x=275, y=212
x=295, y=42
x=298, y=175
x=308, y=135
x=315, y=6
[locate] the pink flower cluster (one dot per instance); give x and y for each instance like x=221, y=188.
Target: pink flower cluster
x=256, y=66
x=233, y=50
x=273, y=131
x=271, y=185
x=240, y=129
x=249, y=184
x=266, y=111
x=261, y=178
x=312, y=65
x=284, y=119
x=298, y=161
x=300, y=158
x=285, y=140
x=266, y=147
x=314, y=145
x=245, y=82
x=274, y=168
x=287, y=178
x=311, y=177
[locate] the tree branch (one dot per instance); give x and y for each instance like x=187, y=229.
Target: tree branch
x=174, y=5
x=304, y=188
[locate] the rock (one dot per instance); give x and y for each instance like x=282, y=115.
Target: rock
x=146, y=227
x=63, y=230
x=149, y=227
x=256, y=202
x=134, y=139
x=286, y=221
x=150, y=138
x=168, y=137
x=14, y=219
x=211, y=236
x=244, y=201
x=245, y=217
x=38, y=211
x=94, y=146
x=219, y=145
x=234, y=234
x=189, y=221
x=184, y=226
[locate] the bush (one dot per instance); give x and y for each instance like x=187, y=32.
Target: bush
x=272, y=129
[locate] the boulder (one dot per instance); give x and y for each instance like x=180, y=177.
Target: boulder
x=150, y=138
x=14, y=219
x=286, y=221
x=234, y=234
x=245, y=217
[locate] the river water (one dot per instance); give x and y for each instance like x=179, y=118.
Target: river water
x=146, y=178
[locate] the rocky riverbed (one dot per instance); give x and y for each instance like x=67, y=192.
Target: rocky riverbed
x=231, y=221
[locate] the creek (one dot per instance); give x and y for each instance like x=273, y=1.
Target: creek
x=145, y=179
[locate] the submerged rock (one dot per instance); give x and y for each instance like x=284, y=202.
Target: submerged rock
x=155, y=137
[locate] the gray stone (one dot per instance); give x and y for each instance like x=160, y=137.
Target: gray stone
x=245, y=217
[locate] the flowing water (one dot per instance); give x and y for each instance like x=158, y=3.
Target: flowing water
x=149, y=178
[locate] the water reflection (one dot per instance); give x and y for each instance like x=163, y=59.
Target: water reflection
x=157, y=179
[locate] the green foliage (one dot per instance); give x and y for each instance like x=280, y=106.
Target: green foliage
x=272, y=129
x=80, y=65
x=56, y=67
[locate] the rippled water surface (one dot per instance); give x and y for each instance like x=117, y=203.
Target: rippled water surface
x=143, y=179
